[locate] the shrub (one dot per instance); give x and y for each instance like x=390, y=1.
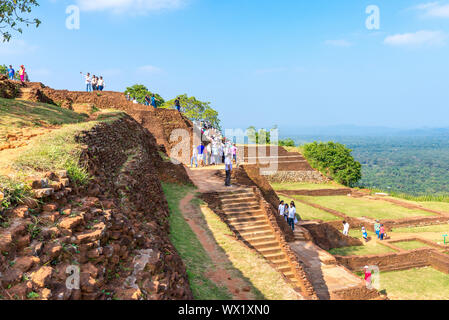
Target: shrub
x=13, y=192
x=334, y=160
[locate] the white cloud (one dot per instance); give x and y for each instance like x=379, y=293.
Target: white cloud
x=338, y=43
x=434, y=9
x=16, y=47
x=420, y=38
x=134, y=6
x=149, y=69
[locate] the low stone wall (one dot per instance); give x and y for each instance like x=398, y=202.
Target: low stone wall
x=317, y=193
x=415, y=222
x=327, y=237
x=439, y=261
x=389, y=261
x=297, y=176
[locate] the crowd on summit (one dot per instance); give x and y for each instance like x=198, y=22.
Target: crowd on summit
x=93, y=83
x=21, y=75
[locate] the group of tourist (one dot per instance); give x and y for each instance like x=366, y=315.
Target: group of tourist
x=378, y=228
x=23, y=75
x=152, y=101
x=93, y=83
x=213, y=153
x=288, y=212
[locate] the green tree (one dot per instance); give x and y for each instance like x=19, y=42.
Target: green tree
x=195, y=109
x=139, y=91
x=334, y=160
x=254, y=135
x=12, y=16
x=287, y=143
x=4, y=70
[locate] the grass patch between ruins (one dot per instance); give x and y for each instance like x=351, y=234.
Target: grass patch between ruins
x=370, y=248
x=310, y=213
x=305, y=186
x=373, y=209
x=410, y=245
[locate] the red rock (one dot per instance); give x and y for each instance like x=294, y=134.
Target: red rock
x=70, y=223
x=50, y=207
x=25, y=263
x=46, y=294
x=20, y=211
x=42, y=277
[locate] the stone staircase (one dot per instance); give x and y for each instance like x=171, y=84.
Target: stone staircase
x=246, y=218
x=24, y=94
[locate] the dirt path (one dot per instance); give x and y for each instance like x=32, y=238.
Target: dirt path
x=218, y=275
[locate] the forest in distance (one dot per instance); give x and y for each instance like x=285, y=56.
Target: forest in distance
x=416, y=165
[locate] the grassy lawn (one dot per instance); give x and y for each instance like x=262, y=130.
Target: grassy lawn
x=304, y=186
x=196, y=259
x=431, y=233
x=415, y=284
x=370, y=248
x=410, y=245
x=366, y=208
x=310, y=213
x=15, y=115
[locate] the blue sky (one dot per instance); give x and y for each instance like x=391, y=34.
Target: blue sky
x=290, y=63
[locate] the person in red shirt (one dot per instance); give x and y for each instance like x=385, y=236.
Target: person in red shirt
x=382, y=232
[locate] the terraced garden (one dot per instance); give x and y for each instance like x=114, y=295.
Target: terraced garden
x=310, y=213
x=373, y=209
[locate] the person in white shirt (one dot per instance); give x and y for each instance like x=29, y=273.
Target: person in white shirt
x=94, y=83
x=345, y=228
x=281, y=209
x=292, y=215
x=88, y=80
x=100, y=84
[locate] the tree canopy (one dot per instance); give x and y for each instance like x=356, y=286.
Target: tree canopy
x=195, y=109
x=254, y=135
x=139, y=91
x=334, y=160
x=13, y=14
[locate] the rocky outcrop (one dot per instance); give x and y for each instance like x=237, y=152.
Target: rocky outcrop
x=107, y=240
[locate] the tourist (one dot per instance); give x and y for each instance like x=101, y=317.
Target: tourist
x=11, y=72
x=153, y=101
x=88, y=82
x=209, y=154
x=147, y=100
x=286, y=208
x=365, y=234
x=222, y=152
x=135, y=100
x=367, y=277
x=377, y=229
x=345, y=228
x=100, y=84
x=201, y=155
x=234, y=153
x=281, y=208
x=382, y=232
x=228, y=168
x=27, y=79
x=22, y=73
x=292, y=215
x=215, y=153
x=178, y=104
x=94, y=83
x=194, y=157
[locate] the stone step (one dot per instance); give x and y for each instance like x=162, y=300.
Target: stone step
x=230, y=206
x=244, y=213
x=265, y=245
x=275, y=256
x=254, y=241
x=280, y=262
x=242, y=209
x=284, y=269
x=246, y=194
x=252, y=235
x=240, y=225
x=238, y=200
x=243, y=229
x=269, y=251
x=289, y=274
x=240, y=219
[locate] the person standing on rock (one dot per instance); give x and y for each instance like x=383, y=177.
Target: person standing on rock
x=100, y=84
x=88, y=82
x=382, y=232
x=153, y=101
x=286, y=208
x=292, y=215
x=178, y=104
x=377, y=229
x=94, y=83
x=228, y=168
x=11, y=72
x=22, y=73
